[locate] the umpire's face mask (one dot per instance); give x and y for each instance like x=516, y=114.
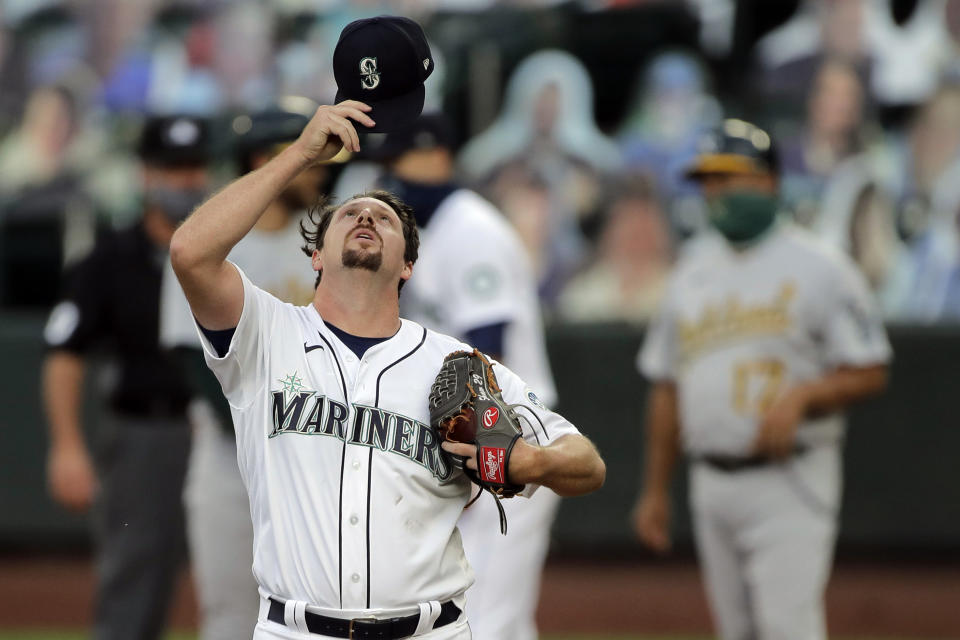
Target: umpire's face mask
x=175, y=203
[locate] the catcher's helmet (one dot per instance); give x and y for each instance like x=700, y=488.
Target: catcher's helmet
x=736, y=147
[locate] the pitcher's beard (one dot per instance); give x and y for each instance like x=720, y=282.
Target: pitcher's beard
x=356, y=259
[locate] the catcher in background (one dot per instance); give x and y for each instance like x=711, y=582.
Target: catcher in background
x=331, y=412
x=764, y=338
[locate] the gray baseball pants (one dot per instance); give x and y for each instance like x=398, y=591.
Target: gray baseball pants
x=220, y=532
x=138, y=524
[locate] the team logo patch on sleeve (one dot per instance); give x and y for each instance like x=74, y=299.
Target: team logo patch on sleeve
x=491, y=463
x=64, y=320
x=535, y=399
x=483, y=281
x=490, y=417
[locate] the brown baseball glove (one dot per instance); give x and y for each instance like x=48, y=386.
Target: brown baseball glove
x=466, y=406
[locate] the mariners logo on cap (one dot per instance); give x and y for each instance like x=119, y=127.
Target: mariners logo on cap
x=383, y=62
x=369, y=75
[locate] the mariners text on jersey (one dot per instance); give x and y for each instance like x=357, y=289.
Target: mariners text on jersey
x=306, y=412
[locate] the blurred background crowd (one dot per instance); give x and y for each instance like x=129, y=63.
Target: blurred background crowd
x=574, y=118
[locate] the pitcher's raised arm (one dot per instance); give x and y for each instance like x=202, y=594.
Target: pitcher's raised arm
x=200, y=246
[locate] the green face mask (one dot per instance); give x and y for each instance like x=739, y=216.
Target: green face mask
x=741, y=216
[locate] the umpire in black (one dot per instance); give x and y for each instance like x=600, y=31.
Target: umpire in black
x=134, y=480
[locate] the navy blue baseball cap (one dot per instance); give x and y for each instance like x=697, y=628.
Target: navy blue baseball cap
x=176, y=140
x=383, y=62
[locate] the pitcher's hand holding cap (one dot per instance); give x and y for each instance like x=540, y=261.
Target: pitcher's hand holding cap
x=383, y=62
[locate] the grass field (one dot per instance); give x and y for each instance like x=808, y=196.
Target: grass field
x=68, y=635
x=64, y=635
x=56, y=635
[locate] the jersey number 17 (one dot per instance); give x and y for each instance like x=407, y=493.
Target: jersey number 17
x=756, y=385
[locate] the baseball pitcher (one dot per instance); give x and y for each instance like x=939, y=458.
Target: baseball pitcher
x=354, y=493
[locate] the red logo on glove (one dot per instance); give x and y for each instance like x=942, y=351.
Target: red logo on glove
x=490, y=417
x=491, y=467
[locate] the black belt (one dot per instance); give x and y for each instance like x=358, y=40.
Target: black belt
x=365, y=628
x=730, y=464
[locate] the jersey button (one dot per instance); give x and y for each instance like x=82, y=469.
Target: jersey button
x=356, y=465
x=354, y=519
x=355, y=577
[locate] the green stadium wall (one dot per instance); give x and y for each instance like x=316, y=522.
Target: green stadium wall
x=902, y=453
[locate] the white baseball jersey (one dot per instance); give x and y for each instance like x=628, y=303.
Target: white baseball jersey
x=353, y=505
x=737, y=328
x=472, y=271
x=272, y=259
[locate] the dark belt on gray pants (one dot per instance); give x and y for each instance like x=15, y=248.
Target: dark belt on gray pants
x=730, y=464
x=365, y=628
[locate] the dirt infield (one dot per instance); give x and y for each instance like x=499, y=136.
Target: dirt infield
x=863, y=600
x=578, y=597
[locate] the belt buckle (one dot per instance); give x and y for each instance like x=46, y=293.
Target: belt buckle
x=362, y=621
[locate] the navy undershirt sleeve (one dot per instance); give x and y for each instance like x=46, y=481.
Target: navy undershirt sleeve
x=488, y=338
x=220, y=340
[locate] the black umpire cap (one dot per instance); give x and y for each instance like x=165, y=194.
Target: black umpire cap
x=176, y=140
x=736, y=147
x=383, y=62
x=429, y=131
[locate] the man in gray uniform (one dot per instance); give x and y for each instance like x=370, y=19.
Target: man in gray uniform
x=764, y=338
